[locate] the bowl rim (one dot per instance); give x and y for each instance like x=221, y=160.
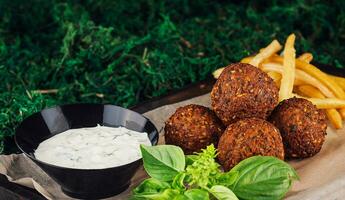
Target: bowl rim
x=86, y=170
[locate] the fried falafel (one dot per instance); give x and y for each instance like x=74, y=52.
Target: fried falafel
x=302, y=127
x=243, y=91
x=249, y=137
x=193, y=127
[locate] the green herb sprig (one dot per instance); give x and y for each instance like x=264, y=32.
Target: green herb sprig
x=175, y=176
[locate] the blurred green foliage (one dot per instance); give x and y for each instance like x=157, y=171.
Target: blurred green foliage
x=126, y=51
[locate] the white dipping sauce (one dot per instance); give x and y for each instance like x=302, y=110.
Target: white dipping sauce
x=92, y=148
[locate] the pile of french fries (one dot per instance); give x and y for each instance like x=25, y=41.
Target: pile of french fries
x=295, y=76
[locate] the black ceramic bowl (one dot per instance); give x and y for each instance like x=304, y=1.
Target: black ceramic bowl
x=83, y=183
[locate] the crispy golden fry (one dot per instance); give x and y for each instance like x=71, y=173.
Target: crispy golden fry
x=300, y=75
x=339, y=80
x=288, y=75
x=298, y=81
x=276, y=76
x=217, y=73
x=310, y=91
x=268, y=66
x=318, y=74
x=306, y=57
x=247, y=59
x=321, y=76
x=342, y=112
x=324, y=103
x=332, y=114
x=306, y=78
x=335, y=118
x=271, y=49
x=327, y=103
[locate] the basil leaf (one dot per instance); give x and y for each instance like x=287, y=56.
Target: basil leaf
x=166, y=194
x=197, y=194
x=228, y=178
x=222, y=193
x=263, y=177
x=181, y=197
x=178, y=182
x=190, y=159
x=151, y=186
x=163, y=162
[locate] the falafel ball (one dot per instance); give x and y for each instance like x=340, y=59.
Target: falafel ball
x=302, y=127
x=193, y=127
x=249, y=137
x=243, y=91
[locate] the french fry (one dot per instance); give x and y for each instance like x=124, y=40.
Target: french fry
x=321, y=76
x=335, y=118
x=339, y=80
x=342, y=113
x=217, y=73
x=341, y=83
x=328, y=103
x=298, y=81
x=306, y=57
x=315, y=72
x=332, y=114
x=288, y=75
x=305, y=77
x=247, y=59
x=324, y=103
x=310, y=91
x=271, y=49
x=276, y=76
x=318, y=74
x=300, y=75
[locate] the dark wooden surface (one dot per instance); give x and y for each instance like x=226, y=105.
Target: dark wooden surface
x=190, y=91
x=12, y=191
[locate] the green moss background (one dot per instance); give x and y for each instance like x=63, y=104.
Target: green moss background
x=126, y=51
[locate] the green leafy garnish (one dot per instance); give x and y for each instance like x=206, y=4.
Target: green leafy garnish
x=264, y=177
x=199, y=176
x=166, y=194
x=197, y=194
x=204, y=171
x=151, y=186
x=222, y=193
x=163, y=162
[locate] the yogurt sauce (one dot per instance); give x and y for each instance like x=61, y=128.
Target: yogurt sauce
x=92, y=148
